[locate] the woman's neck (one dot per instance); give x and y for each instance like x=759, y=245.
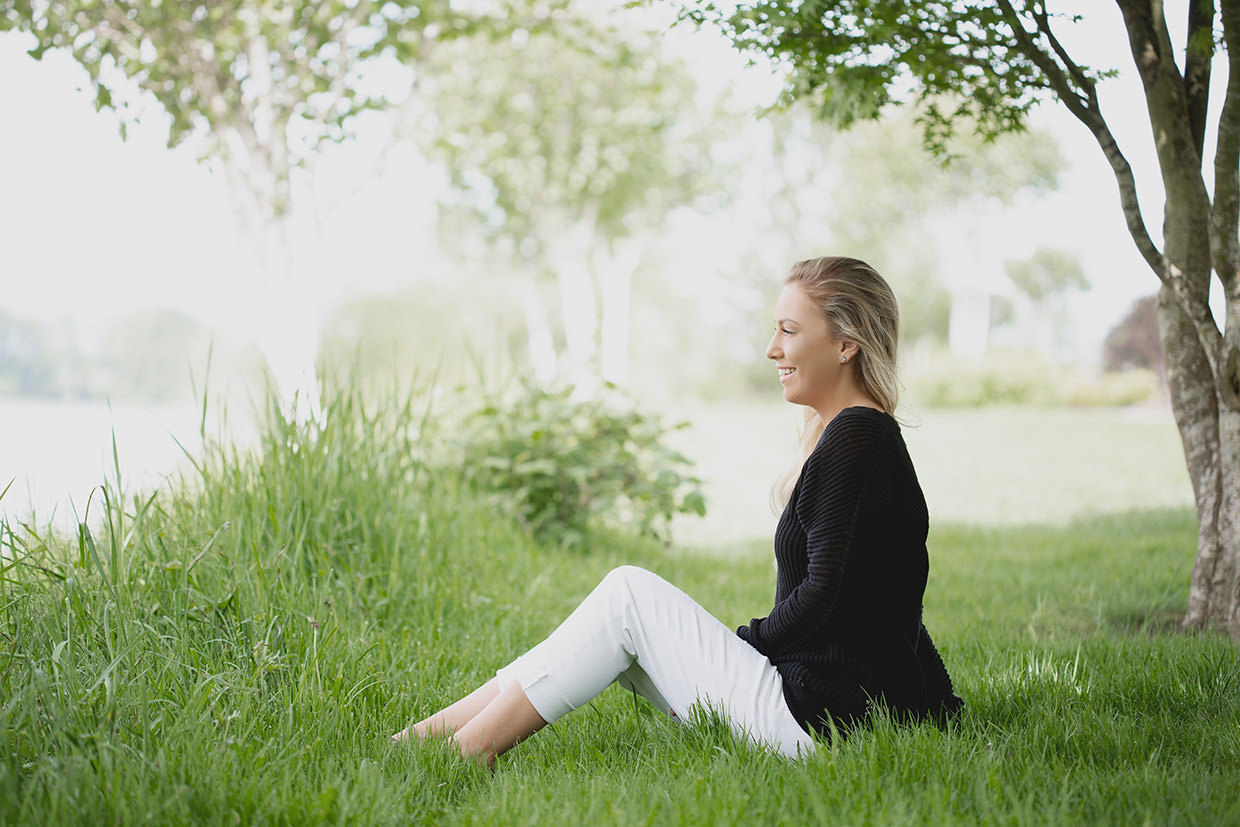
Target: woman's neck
x=851, y=397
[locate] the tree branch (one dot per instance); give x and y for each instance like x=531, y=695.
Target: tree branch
x=206, y=77
x=122, y=22
x=1225, y=215
x=337, y=89
x=1044, y=26
x=1084, y=105
x=1198, y=56
x=1188, y=268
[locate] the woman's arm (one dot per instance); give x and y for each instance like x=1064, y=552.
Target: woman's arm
x=834, y=482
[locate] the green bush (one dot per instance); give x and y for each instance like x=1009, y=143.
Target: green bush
x=1118, y=388
x=1015, y=378
x=999, y=379
x=562, y=464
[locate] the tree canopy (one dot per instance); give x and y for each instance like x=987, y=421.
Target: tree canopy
x=259, y=83
x=260, y=86
x=560, y=124
x=563, y=145
x=985, y=63
x=850, y=59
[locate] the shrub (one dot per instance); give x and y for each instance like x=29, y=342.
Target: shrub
x=1126, y=387
x=1134, y=342
x=1014, y=378
x=999, y=379
x=561, y=464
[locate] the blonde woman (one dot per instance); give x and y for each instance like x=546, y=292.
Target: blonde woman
x=845, y=630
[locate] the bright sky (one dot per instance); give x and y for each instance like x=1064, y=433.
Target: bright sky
x=92, y=227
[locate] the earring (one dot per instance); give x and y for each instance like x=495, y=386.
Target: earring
x=843, y=359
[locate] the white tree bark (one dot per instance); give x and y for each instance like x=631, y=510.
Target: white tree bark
x=1228, y=579
x=616, y=277
x=569, y=256
x=968, y=327
x=543, y=358
x=286, y=324
x=1210, y=434
x=284, y=318
x=967, y=271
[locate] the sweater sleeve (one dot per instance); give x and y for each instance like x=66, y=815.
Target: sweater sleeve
x=833, y=485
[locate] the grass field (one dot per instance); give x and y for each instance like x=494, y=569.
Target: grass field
x=986, y=467
x=237, y=649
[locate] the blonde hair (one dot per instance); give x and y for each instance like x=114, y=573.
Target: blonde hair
x=860, y=308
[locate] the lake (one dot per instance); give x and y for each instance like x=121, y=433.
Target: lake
x=57, y=453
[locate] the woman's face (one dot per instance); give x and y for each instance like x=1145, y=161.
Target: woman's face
x=804, y=351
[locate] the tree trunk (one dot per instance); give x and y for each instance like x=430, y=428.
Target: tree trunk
x=966, y=271
x=1209, y=427
x=1210, y=434
x=1198, y=372
x=287, y=334
x=568, y=256
x=616, y=277
x=1214, y=593
x=968, y=326
x=256, y=161
x=1200, y=240
x=1225, y=588
x=538, y=328
x=579, y=312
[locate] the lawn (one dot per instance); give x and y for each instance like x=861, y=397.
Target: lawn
x=237, y=649
x=990, y=467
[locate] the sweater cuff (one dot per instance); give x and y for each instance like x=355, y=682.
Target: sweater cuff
x=750, y=633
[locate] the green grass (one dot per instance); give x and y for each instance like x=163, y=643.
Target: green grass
x=990, y=466
x=238, y=647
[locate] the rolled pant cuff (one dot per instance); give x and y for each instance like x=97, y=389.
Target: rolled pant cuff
x=539, y=687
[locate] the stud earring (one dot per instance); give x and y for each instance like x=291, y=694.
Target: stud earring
x=843, y=359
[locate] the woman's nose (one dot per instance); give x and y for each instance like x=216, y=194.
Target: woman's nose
x=772, y=351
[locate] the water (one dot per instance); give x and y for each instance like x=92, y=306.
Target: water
x=57, y=453
x=989, y=467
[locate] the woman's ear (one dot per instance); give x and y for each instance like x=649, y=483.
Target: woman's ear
x=848, y=351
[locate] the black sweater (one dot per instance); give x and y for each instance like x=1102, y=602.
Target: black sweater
x=851, y=560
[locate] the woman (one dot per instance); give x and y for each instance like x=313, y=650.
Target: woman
x=850, y=550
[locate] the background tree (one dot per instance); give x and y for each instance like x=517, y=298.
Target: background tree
x=1043, y=281
x=38, y=359
x=1133, y=343
x=417, y=333
x=148, y=354
x=259, y=86
x=564, y=147
x=993, y=59
x=893, y=200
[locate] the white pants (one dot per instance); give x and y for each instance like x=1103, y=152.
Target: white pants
x=637, y=628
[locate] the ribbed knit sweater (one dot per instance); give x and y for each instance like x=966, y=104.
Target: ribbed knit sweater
x=850, y=550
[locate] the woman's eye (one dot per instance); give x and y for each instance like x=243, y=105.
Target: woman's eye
x=785, y=331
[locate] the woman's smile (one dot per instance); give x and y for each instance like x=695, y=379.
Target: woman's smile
x=806, y=354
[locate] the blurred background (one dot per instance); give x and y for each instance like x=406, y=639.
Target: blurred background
x=590, y=197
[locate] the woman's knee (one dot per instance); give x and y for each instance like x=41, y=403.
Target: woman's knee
x=627, y=577
x=623, y=583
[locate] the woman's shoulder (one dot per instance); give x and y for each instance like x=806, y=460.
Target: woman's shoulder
x=850, y=439
x=858, y=422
